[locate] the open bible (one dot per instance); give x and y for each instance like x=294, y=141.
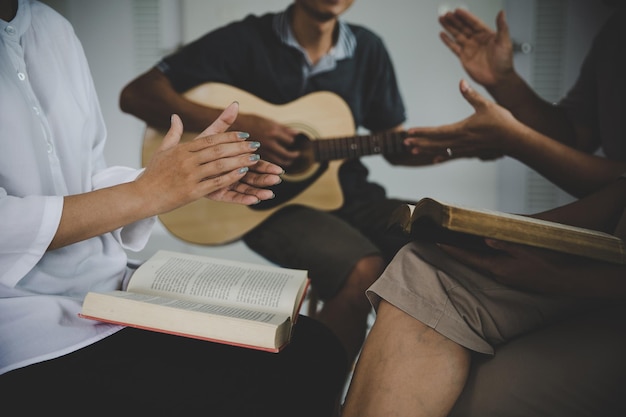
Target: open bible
x=432, y=220
x=238, y=303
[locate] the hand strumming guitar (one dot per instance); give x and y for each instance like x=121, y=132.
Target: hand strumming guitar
x=275, y=138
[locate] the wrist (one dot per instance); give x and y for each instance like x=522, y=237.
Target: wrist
x=516, y=139
x=507, y=83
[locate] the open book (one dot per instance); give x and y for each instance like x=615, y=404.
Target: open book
x=224, y=301
x=433, y=220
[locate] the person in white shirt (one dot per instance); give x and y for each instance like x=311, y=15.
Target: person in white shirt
x=66, y=220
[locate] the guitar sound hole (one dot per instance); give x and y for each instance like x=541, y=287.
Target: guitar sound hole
x=306, y=159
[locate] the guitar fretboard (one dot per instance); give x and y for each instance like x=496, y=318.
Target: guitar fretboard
x=361, y=145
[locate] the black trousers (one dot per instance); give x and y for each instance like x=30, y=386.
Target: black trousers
x=137, y=372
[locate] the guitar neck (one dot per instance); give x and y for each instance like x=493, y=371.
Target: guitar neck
x=361, y=145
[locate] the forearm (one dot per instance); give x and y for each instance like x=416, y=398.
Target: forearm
x=94, y=213
x=513, y=93
x=598, y=211
x=574, y=171
x=151, y=98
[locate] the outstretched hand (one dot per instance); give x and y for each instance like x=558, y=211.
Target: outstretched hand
x=487, y=134
x=217, y=164
x=486, y=56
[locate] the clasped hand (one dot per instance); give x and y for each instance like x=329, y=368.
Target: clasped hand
x=217, y=164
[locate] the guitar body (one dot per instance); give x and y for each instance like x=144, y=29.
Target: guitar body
x=318, y=115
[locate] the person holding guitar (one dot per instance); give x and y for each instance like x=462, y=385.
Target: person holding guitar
x=284, y=59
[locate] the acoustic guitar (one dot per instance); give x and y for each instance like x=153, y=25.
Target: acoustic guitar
x=327, y=138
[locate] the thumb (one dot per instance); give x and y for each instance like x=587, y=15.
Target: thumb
x=502, y=26
x=172, y=137
x=223, y=122
x=472, y=96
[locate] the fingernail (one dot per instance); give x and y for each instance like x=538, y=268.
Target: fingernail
x=254, y=145
x=255, y=157
x=243, y=135
x=243, y=170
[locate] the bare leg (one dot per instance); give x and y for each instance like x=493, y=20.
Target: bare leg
x=346, y=313
x=406, y=369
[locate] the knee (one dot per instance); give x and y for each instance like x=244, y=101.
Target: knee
x=364, y=274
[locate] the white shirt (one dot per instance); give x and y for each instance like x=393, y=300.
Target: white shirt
x=52, y=137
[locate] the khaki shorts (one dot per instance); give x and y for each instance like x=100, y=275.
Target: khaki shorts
x=552, y=356
x=462, y=304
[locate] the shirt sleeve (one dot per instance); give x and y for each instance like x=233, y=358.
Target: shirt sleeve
x=28, y=225
x=133, y=236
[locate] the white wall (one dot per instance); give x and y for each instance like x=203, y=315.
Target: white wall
x=428, y=74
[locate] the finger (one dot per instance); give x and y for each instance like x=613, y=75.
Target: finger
x=216, y=167
x=223, y=144
x=172, y=137
x=224, y=121
x=216, y=185
x=261, y=180
x=502, y=25
x=260, y=193
x=226, y=195
x=453, y=25
x=512, y=249
x=450, y=43
x=472, y=96
x=236, y=191
x=286, y=135
x=265, y=167
x=470, y=23
x=280, y=156
x=419, y=135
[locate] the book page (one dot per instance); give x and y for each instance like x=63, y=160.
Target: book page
x=214, y=309
x=203, y=279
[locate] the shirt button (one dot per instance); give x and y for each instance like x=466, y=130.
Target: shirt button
x=21, y=76
x=49, y=147
x=10, y=30
x=36, y=110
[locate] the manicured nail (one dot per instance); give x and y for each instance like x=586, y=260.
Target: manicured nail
x=254, y=145
x=243, y=170
x=243, y=135
x=254, y=157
